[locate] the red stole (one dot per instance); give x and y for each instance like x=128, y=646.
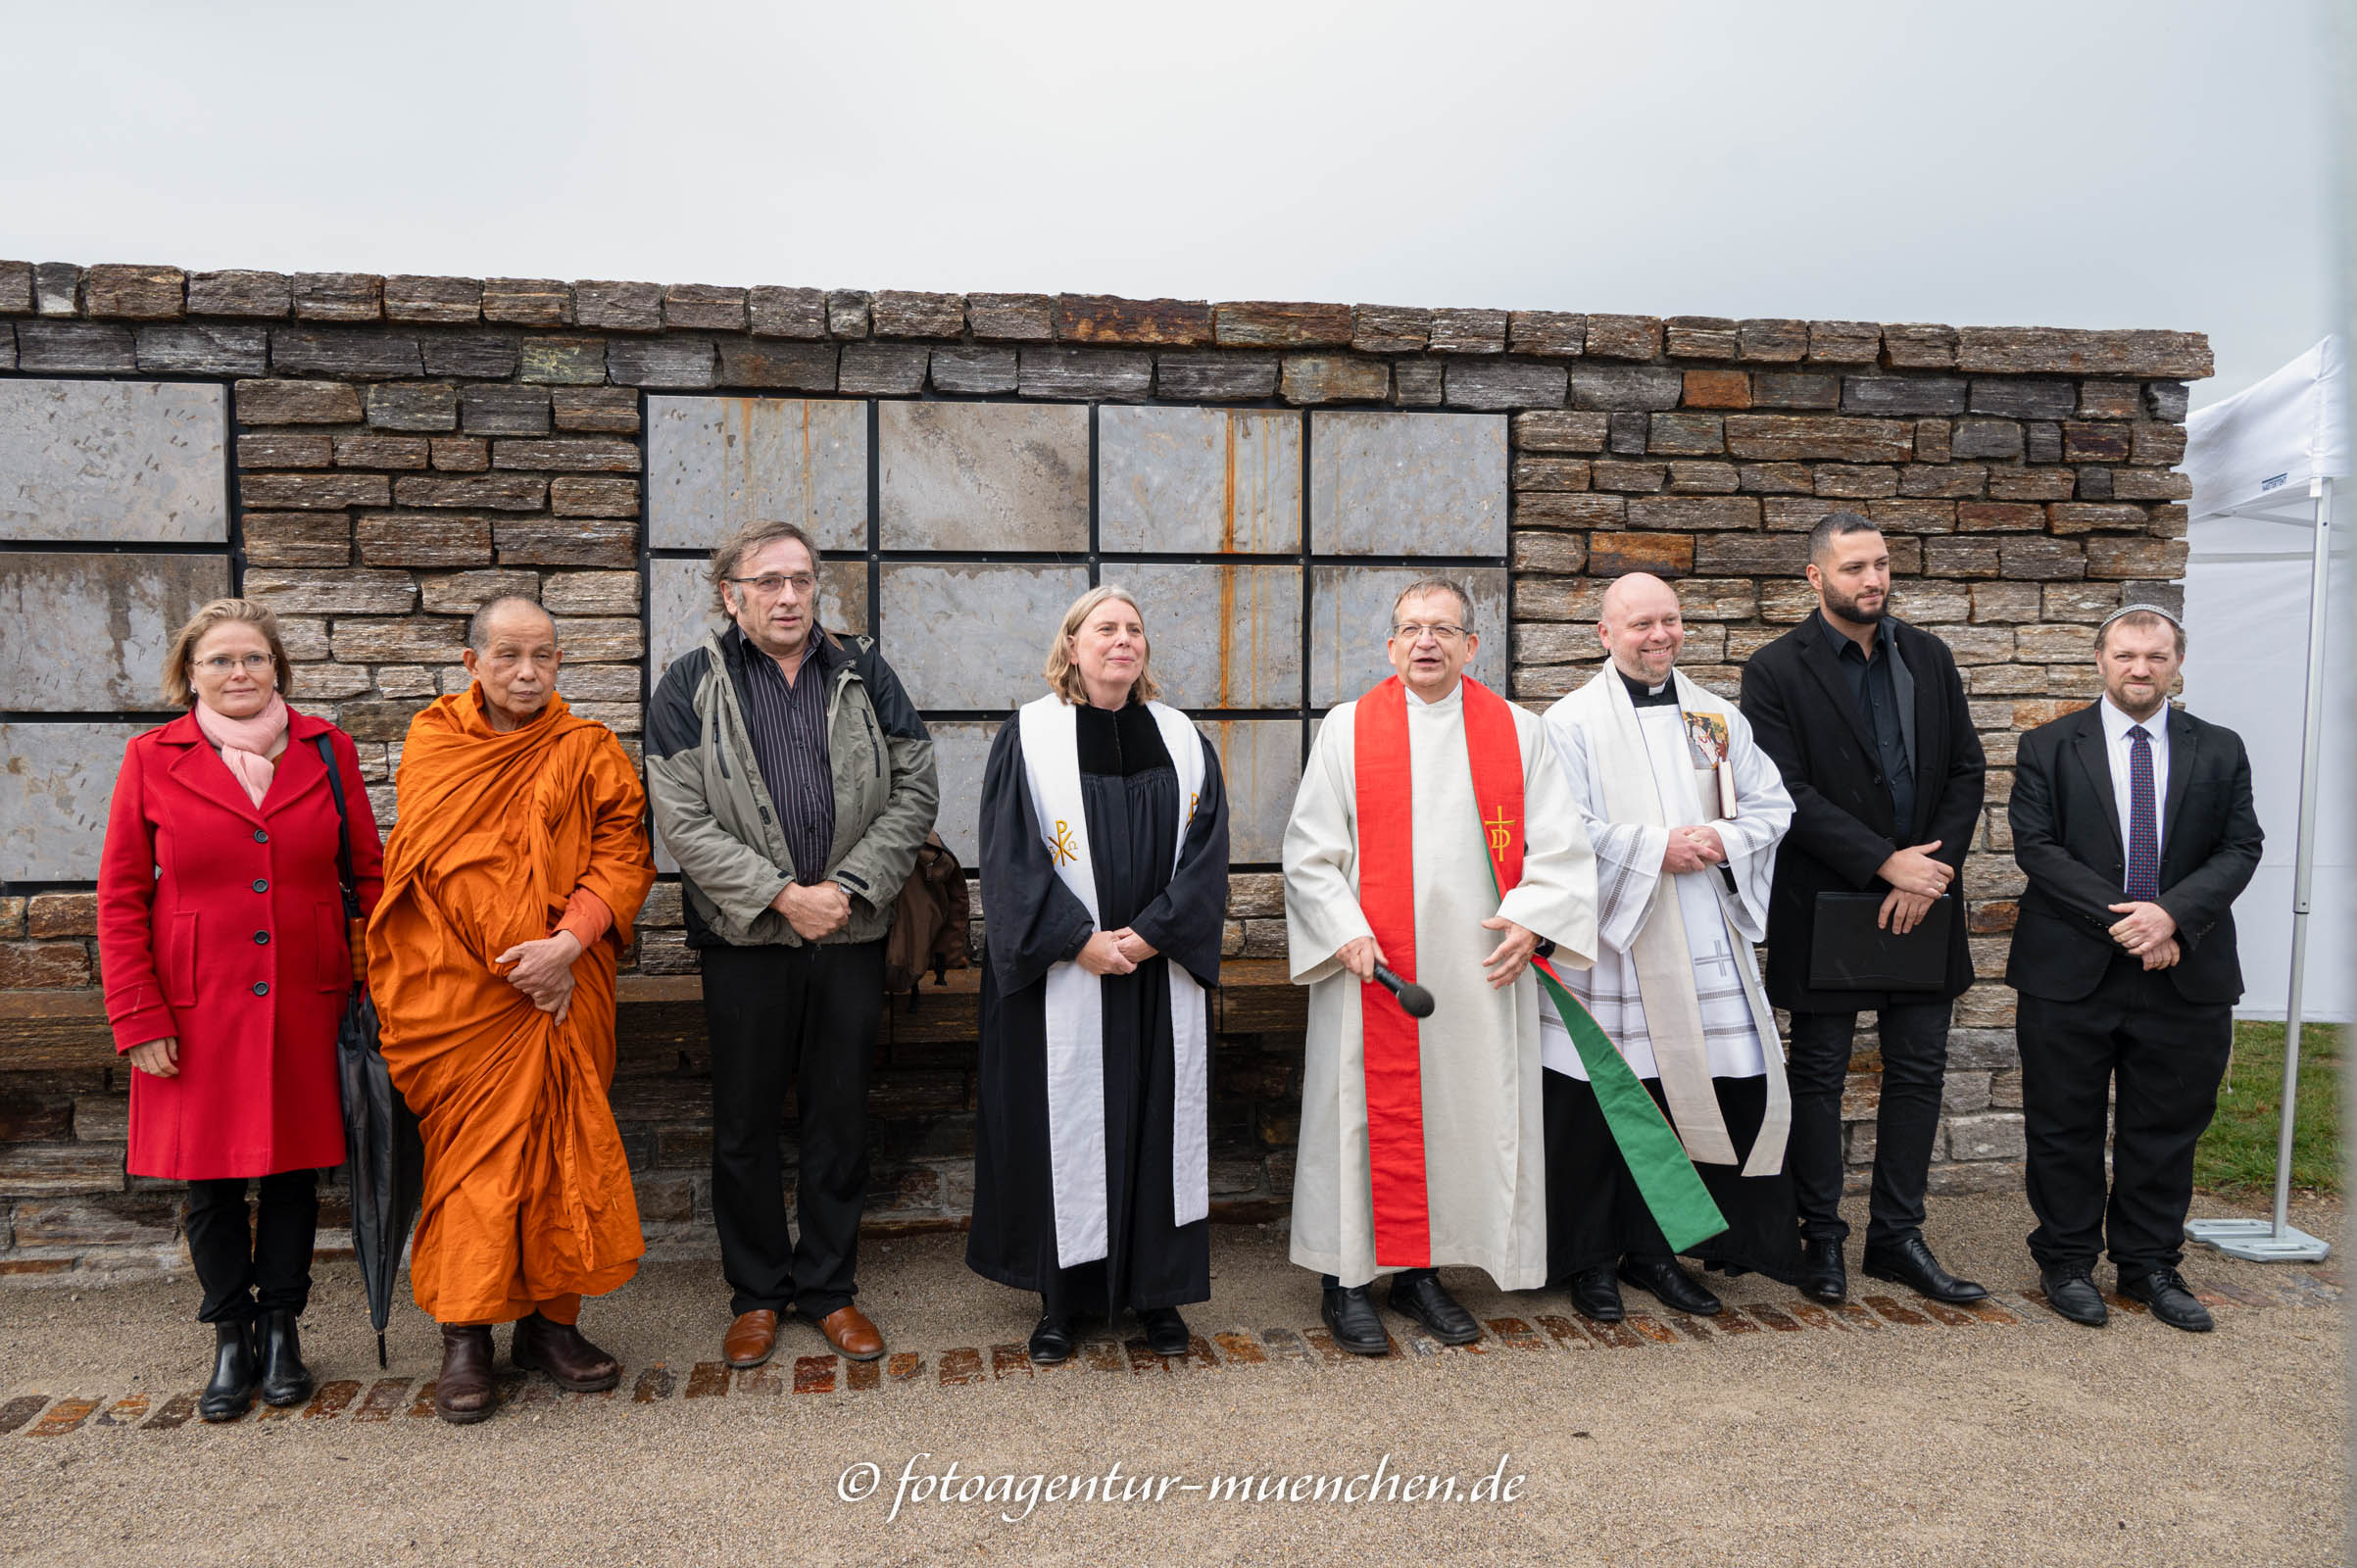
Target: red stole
x=1387, y=892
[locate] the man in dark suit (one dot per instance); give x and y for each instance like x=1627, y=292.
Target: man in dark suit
x=2134, y=826
x=1866, y=717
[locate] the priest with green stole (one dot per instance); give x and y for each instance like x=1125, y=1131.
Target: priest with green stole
x=1436, y=842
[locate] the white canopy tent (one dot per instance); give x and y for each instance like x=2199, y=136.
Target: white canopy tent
x=2263, y=565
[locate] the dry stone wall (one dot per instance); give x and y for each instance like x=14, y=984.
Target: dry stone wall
x=376, y=456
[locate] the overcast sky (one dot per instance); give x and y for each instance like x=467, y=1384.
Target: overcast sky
x=2146, y=164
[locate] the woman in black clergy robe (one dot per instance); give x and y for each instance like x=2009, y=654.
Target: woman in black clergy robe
x=1154, y=849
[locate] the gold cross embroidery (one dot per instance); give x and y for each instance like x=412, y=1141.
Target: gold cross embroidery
x=1501, y=832
x=1064, y=849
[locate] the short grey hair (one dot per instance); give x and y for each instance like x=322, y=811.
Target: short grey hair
x=1833, y=525
x=1433, y=585
x=478, y=625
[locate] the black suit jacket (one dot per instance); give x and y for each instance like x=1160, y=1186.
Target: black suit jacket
x=2067, y=839
x=1800, y=707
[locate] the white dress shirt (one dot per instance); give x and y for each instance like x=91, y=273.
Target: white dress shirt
x=2116, y=745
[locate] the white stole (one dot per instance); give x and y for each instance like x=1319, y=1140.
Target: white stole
x=1662, y=953
x=1075, y=1000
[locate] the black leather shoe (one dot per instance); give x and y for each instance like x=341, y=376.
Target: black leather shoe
x=2164, y=1290
x=230, y=1393
x=464, y=1392
x=1911, y=1263
x=2071, y=1293
x=285, y=1380
x=1165, y=1331
x=1050, y=1341
x=1418, y=1295
x=1676, y=1289
x=1596, y=1294
x=1824, y=1277
x=1350, y=1317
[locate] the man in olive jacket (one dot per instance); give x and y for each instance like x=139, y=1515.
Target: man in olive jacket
x=1865, y=716
x=794, y=782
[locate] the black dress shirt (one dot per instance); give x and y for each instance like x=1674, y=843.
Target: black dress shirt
x=1877, y=697
x=788, y=721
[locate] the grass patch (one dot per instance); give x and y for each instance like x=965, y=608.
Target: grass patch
x=2237, y=1155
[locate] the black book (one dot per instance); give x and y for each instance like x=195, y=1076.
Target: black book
x=1854, y=953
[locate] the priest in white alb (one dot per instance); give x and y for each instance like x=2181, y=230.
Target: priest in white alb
x=1685, y=812
x=1435, y=840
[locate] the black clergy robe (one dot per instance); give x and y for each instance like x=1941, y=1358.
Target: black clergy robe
x=1130, y=793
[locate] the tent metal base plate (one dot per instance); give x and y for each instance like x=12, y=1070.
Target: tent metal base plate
x=2258, y=1240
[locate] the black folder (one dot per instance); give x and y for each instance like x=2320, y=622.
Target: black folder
x=1852, y=953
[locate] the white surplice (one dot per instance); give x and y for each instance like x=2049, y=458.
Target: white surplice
x=1483, y=1134
x=1723, y=914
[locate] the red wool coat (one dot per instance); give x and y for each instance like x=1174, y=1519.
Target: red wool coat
x=221, y=923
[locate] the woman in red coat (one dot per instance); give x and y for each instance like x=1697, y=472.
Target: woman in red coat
x=222, y=940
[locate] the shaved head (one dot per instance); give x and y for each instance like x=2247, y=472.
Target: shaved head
x=1641, y=627
x=1636, y=588
x=507, y=608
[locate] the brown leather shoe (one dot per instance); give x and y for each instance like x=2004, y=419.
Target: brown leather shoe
x=751, y=1340
x=848, y=1330
x=463, y=1392
x=559, y=1349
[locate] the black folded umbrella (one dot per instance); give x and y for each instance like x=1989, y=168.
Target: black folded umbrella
x=383, y=1155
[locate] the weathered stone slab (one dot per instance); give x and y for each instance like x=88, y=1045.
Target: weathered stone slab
x=984, y=477
x=112, y=461
x=960, y=752
x=476, y=355
x=1378, y=480
x=74, y=346
x=338, y=296
x=1260, y=764
x=398, y=406
x=847, y=312
x=563, y=360
x=1503, y=384
x=527, y=301
x=1349, y=619
x=1222, y=636
x=1214, y=377
x=1561, y=334
x=2067, y=351
x=1012, y=317
x=203, y=349
x=663, y=362
x=360, y=356
x=1335, y=378
x=787, y=312
x=239, y=292
x=1198, y=479
x=766, y=362
x=1067, y=373
x=716, y=464
x=704, y=307
x=53, y=798
x=617, y=306
x=974, y=371
x=1280, y=323
x=96, y=627
x=439, y=301
x=970, y=635
x=908, y=312
x=882, y=369
x=680, y=608
x=1105, y=319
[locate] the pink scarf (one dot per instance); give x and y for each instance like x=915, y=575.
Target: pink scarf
x=244, y=742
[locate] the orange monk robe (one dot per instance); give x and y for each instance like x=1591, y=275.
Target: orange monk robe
x=504, y=838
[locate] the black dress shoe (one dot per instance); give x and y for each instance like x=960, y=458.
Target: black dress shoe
x=1822, y=1275
x=285, y=1380
x=1596, y=1294
x=1050, y=1341
x=1676, y=1289
x=2164, y=1290
x=230, y=1393
x=1350, y=1317
x=1418, y=1295
x=1911, y=1263
x=1165, y=1331
x=2072, y=1294
x=463, y=1392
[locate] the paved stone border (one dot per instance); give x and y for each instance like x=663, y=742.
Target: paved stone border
x=385, y=1399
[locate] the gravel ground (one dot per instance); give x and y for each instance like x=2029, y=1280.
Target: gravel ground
x=2037, y=1441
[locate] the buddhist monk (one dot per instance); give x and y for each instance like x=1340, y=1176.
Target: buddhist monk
x=517, y=864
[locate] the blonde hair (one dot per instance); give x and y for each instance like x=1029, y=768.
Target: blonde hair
x=180, y=657
x=1063, y=673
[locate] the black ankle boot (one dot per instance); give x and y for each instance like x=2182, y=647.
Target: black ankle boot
x=285, y=1380
x=230, y=1393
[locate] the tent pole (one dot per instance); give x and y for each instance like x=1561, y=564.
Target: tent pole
x=2304, y=867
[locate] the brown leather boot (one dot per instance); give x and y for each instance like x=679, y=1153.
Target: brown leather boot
x=463, y=1392
x=560, y=1351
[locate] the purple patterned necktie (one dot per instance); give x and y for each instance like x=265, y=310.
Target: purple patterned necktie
x=2143, y=836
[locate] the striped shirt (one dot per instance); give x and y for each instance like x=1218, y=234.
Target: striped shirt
x=788, y=721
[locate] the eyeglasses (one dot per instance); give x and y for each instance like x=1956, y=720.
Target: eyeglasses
x=769, y=584
x=222, y=664
x=1442, y=633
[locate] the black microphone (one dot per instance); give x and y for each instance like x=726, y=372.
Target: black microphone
x=1414, y=999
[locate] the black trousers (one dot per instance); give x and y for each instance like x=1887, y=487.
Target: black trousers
x=1914, y=1037
x=803, y=1017
x=2166, y=1055
x=265, y=1269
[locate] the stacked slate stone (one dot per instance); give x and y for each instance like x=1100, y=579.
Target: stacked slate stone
x=404, y=447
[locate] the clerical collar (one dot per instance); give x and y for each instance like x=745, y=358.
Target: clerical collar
x=1664, y=695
